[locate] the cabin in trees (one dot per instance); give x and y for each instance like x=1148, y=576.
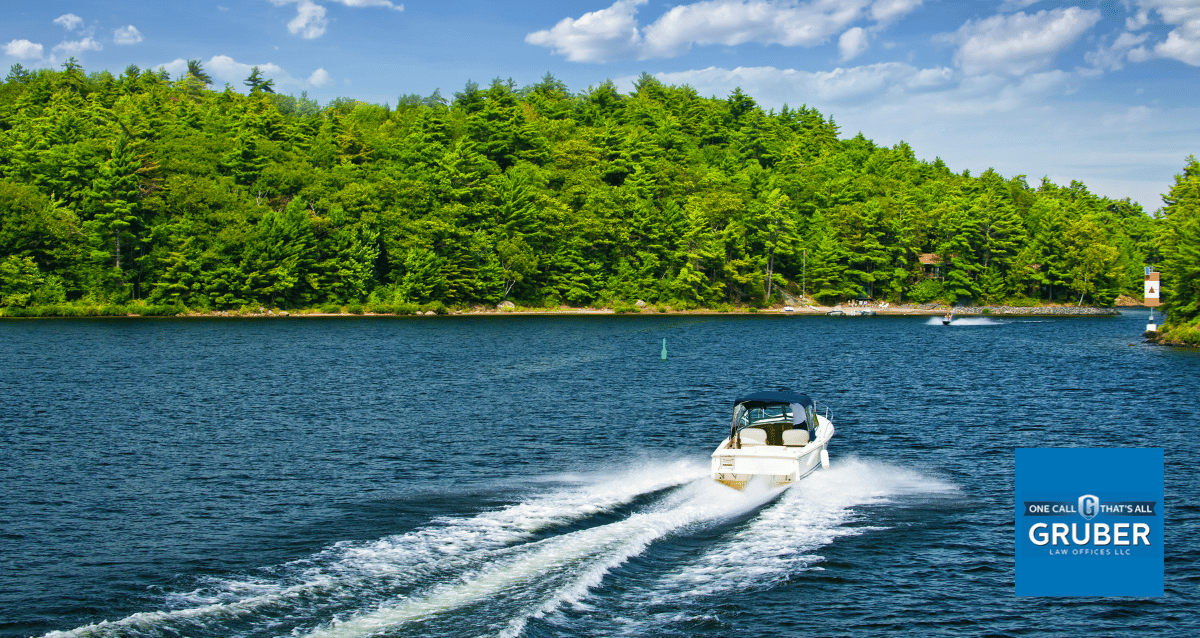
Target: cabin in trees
x=931, y=265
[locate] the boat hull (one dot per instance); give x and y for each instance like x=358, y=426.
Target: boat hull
x=772, y=465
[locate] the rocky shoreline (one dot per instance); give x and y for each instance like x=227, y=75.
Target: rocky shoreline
x=849, y=309
x=876, y=309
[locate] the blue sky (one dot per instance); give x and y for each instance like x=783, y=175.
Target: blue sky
x=1101, y=92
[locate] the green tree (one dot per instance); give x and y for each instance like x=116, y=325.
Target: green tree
x=1181, y=246
x=259, y=84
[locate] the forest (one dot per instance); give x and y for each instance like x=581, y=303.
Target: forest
x=151, y=194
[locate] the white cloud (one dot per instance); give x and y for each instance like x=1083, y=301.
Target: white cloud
x=1138, y=20
x=226, y=70
x=69, y=21
x=75, y=47
x=310, y=21
x=127, y=35
x=320, y=78
x=851, y=85
x=614, y=32
x=852, y=42
x=1181, y=46
x=1182, y=42
x=596, y=36
x=1111, y=58
x=1018, y=43
x=23, y=50
x=371, y=3
x=730, y=23
x=885, y=11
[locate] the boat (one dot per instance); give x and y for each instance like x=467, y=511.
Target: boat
x=775, y=437
x=947, y=319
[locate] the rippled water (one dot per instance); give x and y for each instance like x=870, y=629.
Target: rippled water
x=546, y=476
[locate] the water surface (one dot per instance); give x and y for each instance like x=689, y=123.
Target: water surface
x=545, y=476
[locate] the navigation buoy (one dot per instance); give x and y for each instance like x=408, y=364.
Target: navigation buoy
x=664, y=352
x=1153, y=288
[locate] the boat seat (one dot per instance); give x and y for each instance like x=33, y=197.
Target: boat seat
x=795, y=437
x=754, y=436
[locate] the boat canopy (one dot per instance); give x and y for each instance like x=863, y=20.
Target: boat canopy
x=761, y=399
x=773, y=412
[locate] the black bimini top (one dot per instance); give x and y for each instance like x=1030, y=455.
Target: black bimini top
x=759, y=399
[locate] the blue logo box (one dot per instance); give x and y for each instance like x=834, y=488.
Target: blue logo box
x=1089, y=522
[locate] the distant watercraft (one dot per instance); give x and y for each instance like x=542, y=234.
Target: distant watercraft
x=947, y=319
x=775, y=436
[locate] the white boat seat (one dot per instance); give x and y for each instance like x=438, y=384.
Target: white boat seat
x=754, y=436
x=795, y=437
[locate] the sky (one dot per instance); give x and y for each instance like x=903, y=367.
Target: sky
x=1106, y=93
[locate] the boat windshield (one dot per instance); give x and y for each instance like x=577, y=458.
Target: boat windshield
x=794, y=414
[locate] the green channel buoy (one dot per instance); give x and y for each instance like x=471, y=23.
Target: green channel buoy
x=664, y=352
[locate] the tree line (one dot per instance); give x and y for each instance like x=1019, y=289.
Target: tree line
x=146, y=189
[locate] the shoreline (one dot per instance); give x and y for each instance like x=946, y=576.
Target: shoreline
x=849, y=311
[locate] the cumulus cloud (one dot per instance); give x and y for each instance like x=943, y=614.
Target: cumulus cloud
x=885, y=11
x=310, y=21
x=615, y=32
x=76, y=47
x=1183, y=42
x=852, y=42
x=1019, y=43
x=843, y=85
x=226, y=70
x=23, y=50
x=320, y=78
x=69, y=21
x=597, y=36
x=371, y=3
x=127, y=35
x=1138, y=20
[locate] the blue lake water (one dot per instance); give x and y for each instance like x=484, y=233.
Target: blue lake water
x=546, y=476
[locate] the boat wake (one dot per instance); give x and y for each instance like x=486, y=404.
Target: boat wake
x=779, y=543
x=544, y=558
x=965, y=321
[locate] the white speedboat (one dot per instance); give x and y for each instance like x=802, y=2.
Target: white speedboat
x=777, y=437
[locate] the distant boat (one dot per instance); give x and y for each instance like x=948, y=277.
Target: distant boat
x=947, y=319
x=775, y=436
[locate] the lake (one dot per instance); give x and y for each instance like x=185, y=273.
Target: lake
x=547, y=475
